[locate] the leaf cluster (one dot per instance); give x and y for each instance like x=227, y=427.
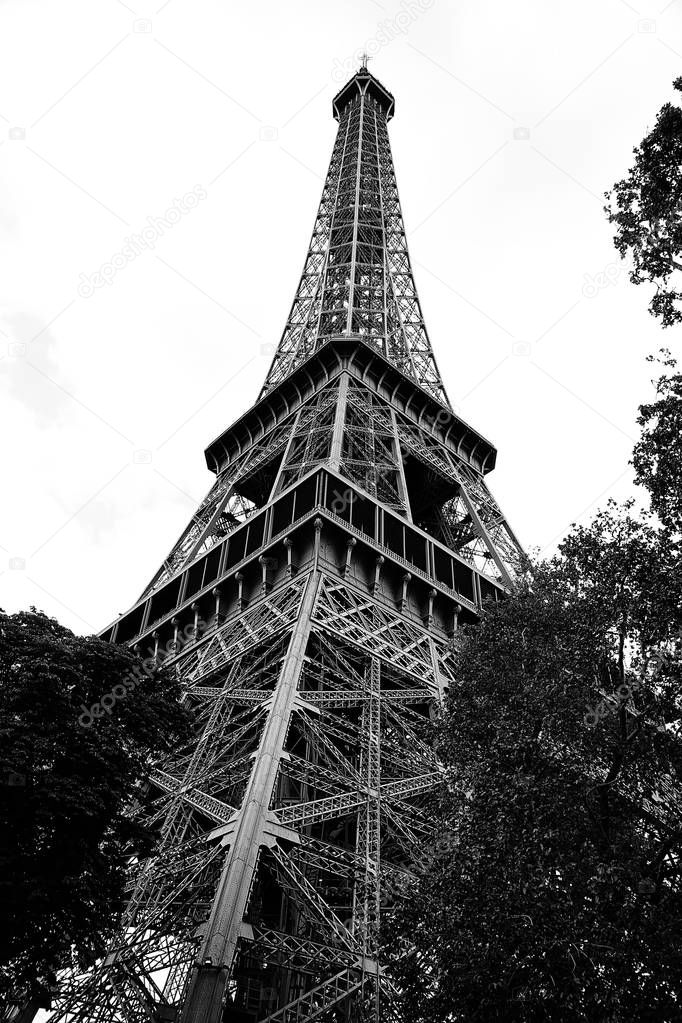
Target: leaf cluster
x=646, y=209
x=557, y=895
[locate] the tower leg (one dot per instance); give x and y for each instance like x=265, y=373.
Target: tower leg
x=204, y=1001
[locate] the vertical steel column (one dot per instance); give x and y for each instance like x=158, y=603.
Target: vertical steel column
x=339, y=423
x=356, y=214
x=204, y=1001
x=367, y=901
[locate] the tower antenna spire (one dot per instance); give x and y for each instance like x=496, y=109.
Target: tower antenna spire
x=364, y=57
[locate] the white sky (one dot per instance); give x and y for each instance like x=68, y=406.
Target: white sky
x=502, y=231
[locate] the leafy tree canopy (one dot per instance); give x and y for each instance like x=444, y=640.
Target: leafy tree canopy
x=553, y=891
x=66, y=779
x=646, y=209
x=658, y=454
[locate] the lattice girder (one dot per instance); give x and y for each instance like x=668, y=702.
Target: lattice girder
x=310, y=612
x=347, y=739
x=357, y=277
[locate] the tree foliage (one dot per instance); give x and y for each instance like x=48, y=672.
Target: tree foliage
x=646, y=208
x=66, y=780
x=553, y=892
x=658, y=454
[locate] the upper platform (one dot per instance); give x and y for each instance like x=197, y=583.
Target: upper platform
x=355, y=355
x=363, y=84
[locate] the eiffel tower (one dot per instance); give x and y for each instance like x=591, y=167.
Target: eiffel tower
x=311, y=610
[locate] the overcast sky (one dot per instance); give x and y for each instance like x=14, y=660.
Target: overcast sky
x=512, y=119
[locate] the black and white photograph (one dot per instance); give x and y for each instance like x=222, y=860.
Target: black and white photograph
x=341, y=527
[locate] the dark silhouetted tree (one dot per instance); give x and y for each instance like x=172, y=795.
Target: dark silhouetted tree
x=646, y=209
x=67, y=779
x=553, y=891
x=657, y=456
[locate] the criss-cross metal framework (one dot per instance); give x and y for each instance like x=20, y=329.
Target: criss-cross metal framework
x=357, y=276
x=310, y=610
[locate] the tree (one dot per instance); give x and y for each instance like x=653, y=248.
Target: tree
x=81, y=723
x=646, y=208
x=554, y=892
x=657, y=456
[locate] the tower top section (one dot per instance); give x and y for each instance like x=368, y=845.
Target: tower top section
x=363, y=84
x=357, y=278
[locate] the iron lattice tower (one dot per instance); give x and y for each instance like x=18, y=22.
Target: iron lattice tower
x=310, y=608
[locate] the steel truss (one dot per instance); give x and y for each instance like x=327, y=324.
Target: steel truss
x=224, y=506
x=348, y=749
x=310, y=782
x=357, y=277
x=470, y=522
